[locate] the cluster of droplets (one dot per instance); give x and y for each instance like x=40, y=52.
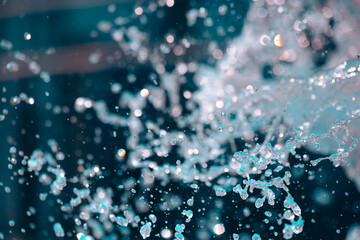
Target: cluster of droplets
x=258, y=159
x=21, y=60
x=14, y=101
x=254, y=160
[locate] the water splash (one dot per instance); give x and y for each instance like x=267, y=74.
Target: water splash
x=231, y=102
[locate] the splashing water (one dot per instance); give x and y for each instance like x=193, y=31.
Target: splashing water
x=231, y=103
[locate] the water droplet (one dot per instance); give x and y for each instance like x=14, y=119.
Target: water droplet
x=219, y=191
x=12, y=67
x=145, y=230
x=144, y=92
x=58, y=229
x=256, y=237
x=219, y=229
x=277, y=41
x=27, y=36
